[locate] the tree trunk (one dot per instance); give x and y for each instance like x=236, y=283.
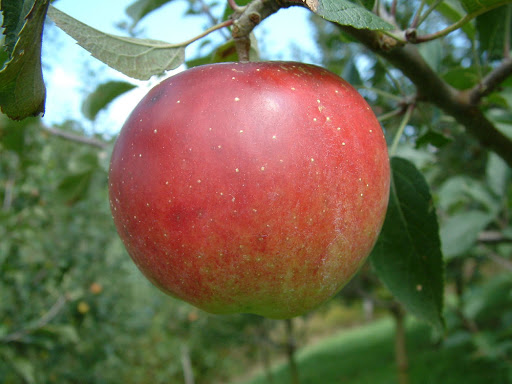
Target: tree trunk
x=291, y=347
x=401, y=358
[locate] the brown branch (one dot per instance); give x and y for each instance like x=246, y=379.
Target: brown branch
x=491, y=82
x=431, y=88
x=76, y=138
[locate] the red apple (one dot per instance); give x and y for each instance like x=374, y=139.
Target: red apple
x=250, y=187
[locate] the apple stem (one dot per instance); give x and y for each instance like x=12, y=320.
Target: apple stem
x=243, y=46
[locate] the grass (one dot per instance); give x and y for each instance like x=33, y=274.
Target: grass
x=366, y=356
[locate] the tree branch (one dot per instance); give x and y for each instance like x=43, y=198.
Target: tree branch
x=431, y=88
x=491, y=81
x=76, y=138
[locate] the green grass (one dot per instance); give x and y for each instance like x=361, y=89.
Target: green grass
x=366, y=356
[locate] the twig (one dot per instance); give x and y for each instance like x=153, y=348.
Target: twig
x=417, y=16
x=393, y=8
x=491, y=81
x=76, y=138
x=493, y=237
x=401, y=128
x=412, y=37
x=8, y=195
x=428, y=12
x=234, y=6
x=391, y=114
x=207, y=10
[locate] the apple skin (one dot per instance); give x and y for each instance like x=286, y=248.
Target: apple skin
x=250, y=187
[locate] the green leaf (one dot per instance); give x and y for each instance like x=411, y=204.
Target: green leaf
x=460, y=190
x=22, y=89
x=437, y=139
x=344, y=12
x=460, y=232
x=492, y=30
x=102, y=96
x=74, y=187
x=407, y=256
x=23, y=367
x=14, y=13
x=462, y=78
x=136, y=58
x=480, y=6
x=140, y=8
x=497, y=175
x=432, y=52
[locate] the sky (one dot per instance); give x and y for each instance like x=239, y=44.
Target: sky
x=70, y=72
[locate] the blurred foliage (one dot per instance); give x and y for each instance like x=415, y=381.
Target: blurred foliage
x=74, y=309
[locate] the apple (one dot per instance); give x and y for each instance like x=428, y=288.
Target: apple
x=250, y=187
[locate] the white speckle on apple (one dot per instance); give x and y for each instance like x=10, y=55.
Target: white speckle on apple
x=155, y=131
x=237, y=99
x=179, y=101
x=237, y=170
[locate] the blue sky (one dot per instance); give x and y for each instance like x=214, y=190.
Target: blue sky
x=70, y=72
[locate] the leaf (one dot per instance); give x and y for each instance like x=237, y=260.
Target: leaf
x=437, y=139
x=74, y=187
x=460, y=232
x=497, y=174
x=14, y=13
x=23, y=367
x=492, y=30
x=432, y=52
x=136, y=58
x=480, y=6
x=407, y=256
x=140, y=8
x=462, y=78
x=102, y=96
x=460, y=190
x=22, y=89
x=344, y=12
